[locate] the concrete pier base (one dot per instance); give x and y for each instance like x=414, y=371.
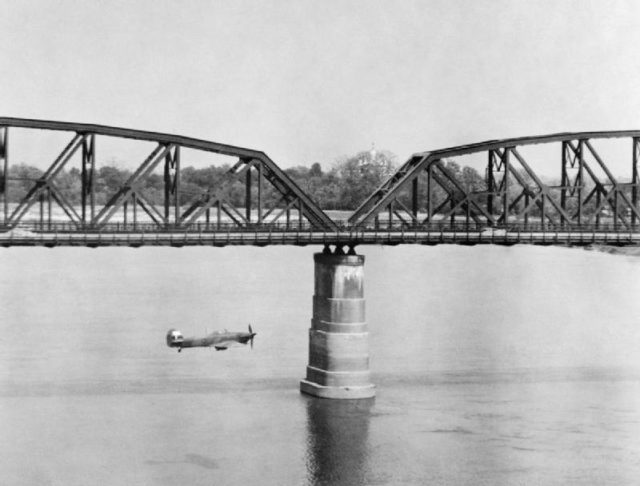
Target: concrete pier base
x=339, y=337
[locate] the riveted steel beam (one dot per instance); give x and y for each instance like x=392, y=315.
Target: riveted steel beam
x=88, y=178
x=635, y=178
x=4, y=185
x=172, y=184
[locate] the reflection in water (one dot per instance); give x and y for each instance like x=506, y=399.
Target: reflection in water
x=337, y=441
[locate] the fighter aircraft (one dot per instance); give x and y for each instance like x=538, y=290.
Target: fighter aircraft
x=220, y=340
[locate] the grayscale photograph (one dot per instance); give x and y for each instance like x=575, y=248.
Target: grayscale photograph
x=317, y=243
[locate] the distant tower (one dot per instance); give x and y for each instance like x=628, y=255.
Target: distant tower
x=368, y=158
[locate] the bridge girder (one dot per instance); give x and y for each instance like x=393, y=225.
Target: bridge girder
x=428, y=189
x=259, y=172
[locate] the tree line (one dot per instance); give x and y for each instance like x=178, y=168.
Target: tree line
x=344, y=186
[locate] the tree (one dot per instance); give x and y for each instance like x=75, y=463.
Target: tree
x=361, y=174
x=108, y=181
x=471, y=180
x=22, y=178
x=316, y=170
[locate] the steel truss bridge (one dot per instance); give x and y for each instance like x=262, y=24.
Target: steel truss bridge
x=427, y=201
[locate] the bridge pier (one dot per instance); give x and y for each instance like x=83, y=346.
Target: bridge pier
x=339, y=337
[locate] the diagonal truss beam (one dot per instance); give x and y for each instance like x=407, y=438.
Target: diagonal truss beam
x=43, y=184
x=279, y=180
x=205, y=201
x=408, y=174
x=131, y=185
x=544, y=189
x=457, y=195
x=616, y=191
x=384, y=194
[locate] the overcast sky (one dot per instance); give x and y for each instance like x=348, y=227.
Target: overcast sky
x=309, y=81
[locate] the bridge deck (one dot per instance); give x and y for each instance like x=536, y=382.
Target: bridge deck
x=310, y=237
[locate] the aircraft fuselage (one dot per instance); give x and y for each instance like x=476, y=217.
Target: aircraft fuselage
x=220, y=340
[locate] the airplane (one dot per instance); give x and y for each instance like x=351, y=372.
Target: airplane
x=220, y=340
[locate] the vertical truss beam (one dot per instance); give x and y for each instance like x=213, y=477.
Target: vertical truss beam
x=599, y=189
x=491, y=180
x=505, y=186
x=260, y=182
x=572, y=182
x=635, y=179
x=498, y=182
x=429, y=193
x=88, y=176
x=247, y=194
x=414, y=198
x=172, y=184
x=4, y=158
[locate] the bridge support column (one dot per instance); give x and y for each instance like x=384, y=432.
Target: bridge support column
x=339, y=337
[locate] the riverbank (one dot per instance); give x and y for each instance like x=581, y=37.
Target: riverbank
x=616, y=250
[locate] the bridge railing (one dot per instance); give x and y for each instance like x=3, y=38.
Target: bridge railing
x=442, y=226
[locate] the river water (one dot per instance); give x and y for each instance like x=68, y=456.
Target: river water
x=493, y=366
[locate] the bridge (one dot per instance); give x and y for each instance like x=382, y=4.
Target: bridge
x=428, y=200
x=424, y=202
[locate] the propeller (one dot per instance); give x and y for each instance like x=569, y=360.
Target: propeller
x=252, y=335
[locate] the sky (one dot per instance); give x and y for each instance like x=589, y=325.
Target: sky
x=313, y=81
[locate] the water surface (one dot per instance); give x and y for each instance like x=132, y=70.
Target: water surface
x=493, y=365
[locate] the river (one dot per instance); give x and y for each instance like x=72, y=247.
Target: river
x=493, y=366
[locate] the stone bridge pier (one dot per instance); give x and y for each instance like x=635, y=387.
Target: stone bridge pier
x=339, y=337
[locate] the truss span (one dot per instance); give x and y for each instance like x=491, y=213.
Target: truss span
x=269, y=196
x=250, y=200
x=428, y=190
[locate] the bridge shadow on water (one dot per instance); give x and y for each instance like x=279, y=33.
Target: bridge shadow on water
x=338, y=450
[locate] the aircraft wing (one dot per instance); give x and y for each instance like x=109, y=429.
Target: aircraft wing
x=221, y=345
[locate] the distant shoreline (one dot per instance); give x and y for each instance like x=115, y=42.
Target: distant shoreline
x=616, y=250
